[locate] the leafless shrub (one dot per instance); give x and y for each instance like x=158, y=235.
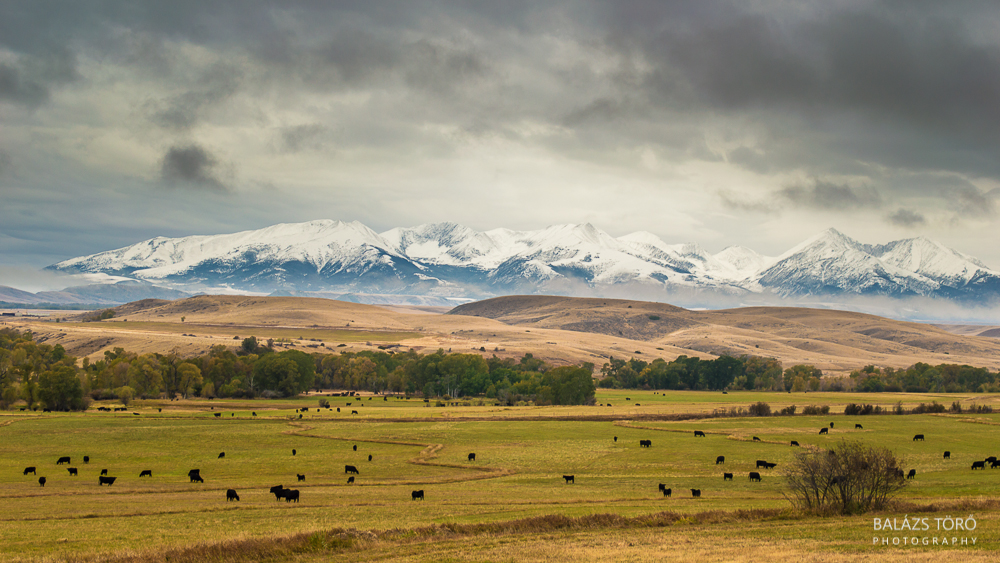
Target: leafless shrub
x=852, y=478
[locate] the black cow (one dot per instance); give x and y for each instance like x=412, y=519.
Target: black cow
x=195, y=475
x=569, y=479
x=696, y=493
x=350, y=479
x=293, y=452
x=351, y=469
x=86, y=459
x=918, y=437
x=991, y=459
x=858, y=427
x=301, y=477
x=794, y=443
x=63, y=460
x=698, y=433
x=831, y=425
x=754, y=476
x=222, y=455
x=72, y=471
x=911, y=474
x=666, y=492
x=472, y=457
x=146, y=473
x=104, y=472
x=354, y=412
x=947, y=454
x=770, y=465
x=727, y=476
x=290, y=495
x=30, y=470
x=720, y=459
x=218, y=414
x=231, y=495
x=761, y=463
x=355, y=447
x=369, y=457
x=106, y=481
x=255, y=413
x=995, y=464
x=41, y=481
x=417, y=495
x=662, y=486
x=756, y=439
x=277, y=491
x=645, y=443
x=978, y=465
x=824, y=430
x=338, y=409
x=616, y=438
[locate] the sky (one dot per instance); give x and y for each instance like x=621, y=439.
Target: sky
x=758, y=123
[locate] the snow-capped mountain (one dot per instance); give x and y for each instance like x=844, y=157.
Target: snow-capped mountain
x=446, y=259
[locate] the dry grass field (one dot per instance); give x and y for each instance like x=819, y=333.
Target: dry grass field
x=559, y=330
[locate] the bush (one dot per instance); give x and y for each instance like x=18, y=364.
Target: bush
x=852, y=478
x=759, y=408
x=955, y=407
x=815, y=409
x=788, y=411
x=323, y=403
x=853, y=409
x=934, y=407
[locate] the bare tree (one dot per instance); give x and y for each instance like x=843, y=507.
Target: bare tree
x=852, y=478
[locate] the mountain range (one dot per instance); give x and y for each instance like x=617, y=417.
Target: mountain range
x=450, y=261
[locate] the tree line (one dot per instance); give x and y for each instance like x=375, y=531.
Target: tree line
x=44, y=375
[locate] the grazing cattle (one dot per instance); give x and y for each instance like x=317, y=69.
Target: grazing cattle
x=146, y=473
x=770, y=465
x=354, y=412
x=794, y=443
x=417, y=495
x=338, y=409
x=696, y=493
x=231, y=495
x=756, y=439
x=301, y=477
x=255, y=413
x=569, y=479
x=104, y=472
x=350, y=479
x=86, y=459
x=218, y=414
x=645, y=443
x=351, y=469
x=369, y=457
x=290, y=495
x=727, y=476
x=195, y=475
x=106, y=481
x=698, y=433
x=355, y=447
x=991, y=459
x=824, y=430
x=472, y=457
x=911, y=474
x=899, y=473
x=222, y=455
x=761, y=463
x=754, y=476
x=720, y=459
x=662, y=486
x=277, y=491
x=72, y=471
x=978, y=465
x=29, y=470
x=616, y=438
x=41, y=481
x=918, y=437
x=858, y=427
x=995, y=464
x=831, y=425
x=293, y=452
x=63, y=460
x=667, y=492
x=348, y=404
x=947, y=454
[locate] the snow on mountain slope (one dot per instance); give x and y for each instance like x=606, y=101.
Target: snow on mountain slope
x=932, y=260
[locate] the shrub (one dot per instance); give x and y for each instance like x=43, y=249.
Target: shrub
x=788, y=411
x=816, y=409
x=760, y=408
x=955, y=407
x=324, y=403
x=852, y=478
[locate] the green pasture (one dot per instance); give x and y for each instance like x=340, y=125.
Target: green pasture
x=522, y=454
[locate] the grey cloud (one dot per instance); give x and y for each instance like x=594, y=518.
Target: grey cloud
x=906, y=218
x=30, y=80
x=741, y=203
x=830, y=196
x=214, y=86
x=302, y=137
x=968, y=201
x=191, y=166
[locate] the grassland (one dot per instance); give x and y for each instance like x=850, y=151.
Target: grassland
x=511, y=504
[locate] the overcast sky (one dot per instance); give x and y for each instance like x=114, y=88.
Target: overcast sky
x=753, y=123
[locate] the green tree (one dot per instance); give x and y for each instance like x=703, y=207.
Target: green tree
x=188, y=378
x=59, y=389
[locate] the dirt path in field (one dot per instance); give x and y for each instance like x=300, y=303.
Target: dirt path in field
x=425, y=457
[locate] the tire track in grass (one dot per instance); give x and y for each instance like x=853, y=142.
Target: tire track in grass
x=425, y=457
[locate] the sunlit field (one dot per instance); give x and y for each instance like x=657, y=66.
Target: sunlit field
x=522, y=454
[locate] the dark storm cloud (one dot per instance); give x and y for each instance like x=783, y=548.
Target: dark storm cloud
x=906, y=218
x=191, y=166
x=30, y=80
x=830, y=196
x=302, y=137
x=212, y=87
